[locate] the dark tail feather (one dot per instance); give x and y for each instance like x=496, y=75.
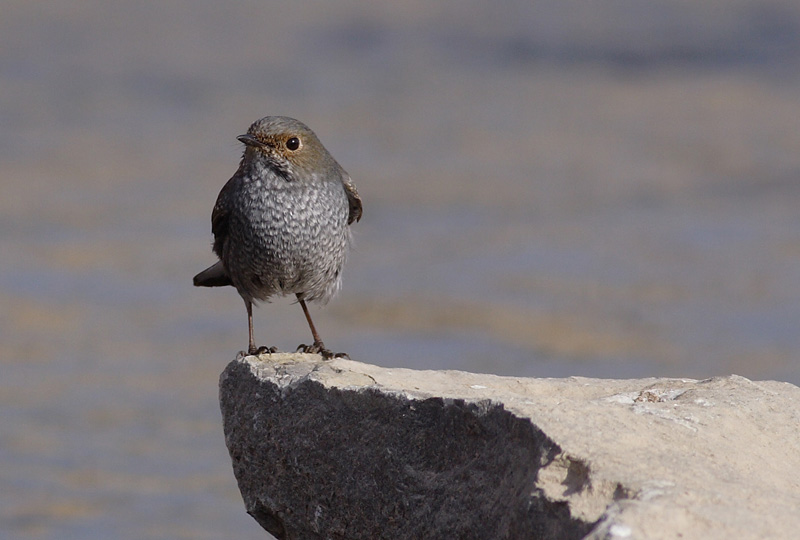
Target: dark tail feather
x=213, y=276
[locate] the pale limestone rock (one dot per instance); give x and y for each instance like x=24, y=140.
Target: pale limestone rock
x=342, y=449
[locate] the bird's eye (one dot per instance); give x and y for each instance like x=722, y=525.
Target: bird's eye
x=293, y=143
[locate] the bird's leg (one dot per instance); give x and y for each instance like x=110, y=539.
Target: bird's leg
x=251, y=349
x=317, y=340
x=252, y=346
x=318, y=347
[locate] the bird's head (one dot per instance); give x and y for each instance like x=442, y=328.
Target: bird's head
x=286, y=146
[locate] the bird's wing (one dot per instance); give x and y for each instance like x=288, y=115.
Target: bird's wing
x=220, y=217
x=354, y=199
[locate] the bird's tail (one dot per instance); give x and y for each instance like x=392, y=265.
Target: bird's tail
x=213, y=276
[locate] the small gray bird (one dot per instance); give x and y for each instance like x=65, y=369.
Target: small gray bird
x=281, y=224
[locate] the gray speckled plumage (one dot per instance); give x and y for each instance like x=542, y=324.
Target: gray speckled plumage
x=281, y=223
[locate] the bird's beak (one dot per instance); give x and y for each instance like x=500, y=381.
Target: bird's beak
x=249, y=140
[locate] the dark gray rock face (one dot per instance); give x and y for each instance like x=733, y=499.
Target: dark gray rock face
x=318, y=463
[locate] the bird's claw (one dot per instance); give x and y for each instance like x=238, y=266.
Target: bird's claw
x=319, y=348
x=259, y=351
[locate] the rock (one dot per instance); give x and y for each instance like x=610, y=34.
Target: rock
x=345, y=450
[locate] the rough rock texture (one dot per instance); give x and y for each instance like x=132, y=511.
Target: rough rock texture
x=342, y=449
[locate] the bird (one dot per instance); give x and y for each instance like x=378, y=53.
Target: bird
x=281, y=224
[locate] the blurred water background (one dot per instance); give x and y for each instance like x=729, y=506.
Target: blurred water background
x=554, y=188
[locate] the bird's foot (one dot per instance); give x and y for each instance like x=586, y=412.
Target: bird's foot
x=319, y=348
x=259, y=351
